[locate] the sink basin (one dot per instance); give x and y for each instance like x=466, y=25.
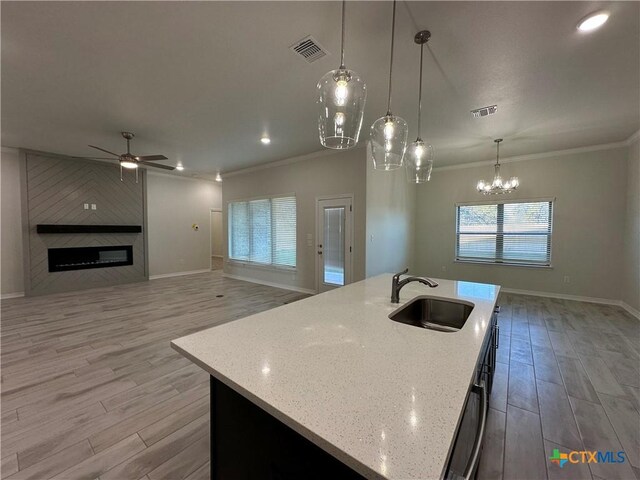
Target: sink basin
x=433, y=313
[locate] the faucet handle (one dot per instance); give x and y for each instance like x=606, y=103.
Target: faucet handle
x=397, y=275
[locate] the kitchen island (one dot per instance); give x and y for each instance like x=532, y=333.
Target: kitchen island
x=381, y=398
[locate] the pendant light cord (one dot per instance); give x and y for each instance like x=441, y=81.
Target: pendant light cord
x=344, y=3
x=393, y=32
x=420, y=92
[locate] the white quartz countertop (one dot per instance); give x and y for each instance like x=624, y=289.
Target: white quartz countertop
x=383, y=397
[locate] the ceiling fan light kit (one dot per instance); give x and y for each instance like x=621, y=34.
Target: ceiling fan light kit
x=341, y=96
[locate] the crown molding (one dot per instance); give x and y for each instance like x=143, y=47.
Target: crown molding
x=183, y=176
x=537, y=156
x=288, y=161
x=632, y=138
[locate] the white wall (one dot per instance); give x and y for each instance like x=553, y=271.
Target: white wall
x=632, y=229
x=174, y=204
x=391, y=210
x=327, y=173
x=217, y=237
x=11, y=263
x=588, y=223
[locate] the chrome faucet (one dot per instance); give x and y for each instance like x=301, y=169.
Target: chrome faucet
x=397, y=284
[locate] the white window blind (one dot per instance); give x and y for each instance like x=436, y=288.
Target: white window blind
x=263, y=231
x=517, y=233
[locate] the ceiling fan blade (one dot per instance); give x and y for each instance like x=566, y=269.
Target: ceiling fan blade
x=93, y=158
x=103, y=150
x=147, y=158
x=157, y=165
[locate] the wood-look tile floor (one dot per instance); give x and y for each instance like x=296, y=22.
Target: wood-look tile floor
x=568, y=377
x=91, y=388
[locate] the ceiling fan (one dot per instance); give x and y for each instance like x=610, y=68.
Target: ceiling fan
x=131, y=161
x=128, y=160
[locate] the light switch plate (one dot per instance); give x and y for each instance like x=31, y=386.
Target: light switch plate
x=86, y=206
x=93, y=206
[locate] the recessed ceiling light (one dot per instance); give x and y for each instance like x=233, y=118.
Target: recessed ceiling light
x=218, y=177
x=265, y=140
x=179, y=167
x=593, y=21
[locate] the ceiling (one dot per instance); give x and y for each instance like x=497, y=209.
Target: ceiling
x=201, y=82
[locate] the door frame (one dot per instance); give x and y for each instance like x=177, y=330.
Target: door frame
x=212, y=210
x=341, y=196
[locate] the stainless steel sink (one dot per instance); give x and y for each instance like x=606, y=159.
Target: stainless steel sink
x=433, y=313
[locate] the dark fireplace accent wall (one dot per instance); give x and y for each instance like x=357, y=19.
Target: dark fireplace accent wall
x=55, y=190
x=82, y=258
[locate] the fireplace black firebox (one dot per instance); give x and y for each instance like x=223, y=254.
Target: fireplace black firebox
x=81, y=258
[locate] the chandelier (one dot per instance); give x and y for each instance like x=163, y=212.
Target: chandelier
x=498, y=186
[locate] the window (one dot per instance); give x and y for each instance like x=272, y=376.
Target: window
x=263, y=231
x=517, y=233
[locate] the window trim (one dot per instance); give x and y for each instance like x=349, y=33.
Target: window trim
x=247, y=263
x=550, y=200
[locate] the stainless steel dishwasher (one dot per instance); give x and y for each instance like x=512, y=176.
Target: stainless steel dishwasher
x=467, y=446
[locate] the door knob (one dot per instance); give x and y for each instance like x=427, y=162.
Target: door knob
x=319, y=252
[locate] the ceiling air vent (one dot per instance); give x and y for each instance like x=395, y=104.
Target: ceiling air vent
x=309, y=49
x=484, y=111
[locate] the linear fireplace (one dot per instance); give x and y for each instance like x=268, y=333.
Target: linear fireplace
x=81, y=258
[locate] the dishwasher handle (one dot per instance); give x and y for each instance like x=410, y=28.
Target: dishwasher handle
x=474, y=459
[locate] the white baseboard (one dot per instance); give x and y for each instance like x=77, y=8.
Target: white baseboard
x=6, y=296
x=270, y=284
x=630, y=309
x=577, y=298
x=178, y=274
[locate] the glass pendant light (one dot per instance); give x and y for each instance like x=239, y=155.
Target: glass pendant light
x=498, y=186
x=419, y=156
x=389, y=133
x=341, y=98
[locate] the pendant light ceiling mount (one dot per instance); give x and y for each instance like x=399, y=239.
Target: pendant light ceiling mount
x=422, y=37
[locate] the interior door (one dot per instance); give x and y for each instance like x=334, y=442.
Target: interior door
x=334, y=243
